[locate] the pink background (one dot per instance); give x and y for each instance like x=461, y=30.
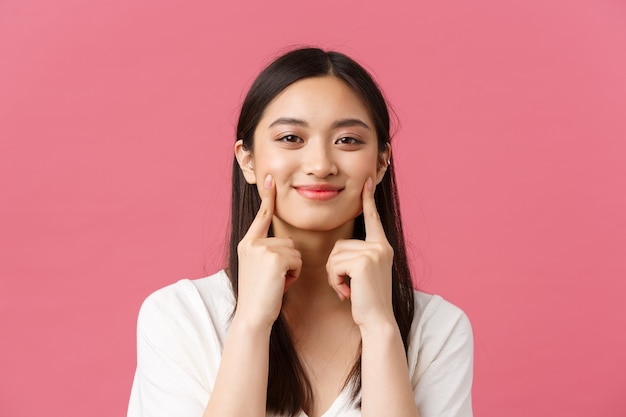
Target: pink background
x=117, y=121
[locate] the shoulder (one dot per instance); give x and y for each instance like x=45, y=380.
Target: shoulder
x=441, y=358
x=437, y=316
x=217, y=284
x=180, y=334
x=441, y=334
x=177, y=307
x=211, y=290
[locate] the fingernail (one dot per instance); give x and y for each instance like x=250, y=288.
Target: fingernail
x=369, y=184
x=268, y=181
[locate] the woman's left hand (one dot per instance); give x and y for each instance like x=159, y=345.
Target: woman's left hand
x=361, y=270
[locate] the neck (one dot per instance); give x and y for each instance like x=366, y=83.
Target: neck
x=311, y=288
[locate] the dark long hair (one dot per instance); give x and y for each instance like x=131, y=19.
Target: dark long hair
x=289, y=389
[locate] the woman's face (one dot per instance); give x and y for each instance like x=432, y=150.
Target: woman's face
x=318, y=141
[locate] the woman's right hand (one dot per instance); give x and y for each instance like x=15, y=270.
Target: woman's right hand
x=267, y=266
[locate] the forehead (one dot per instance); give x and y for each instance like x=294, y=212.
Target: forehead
x=318, y=101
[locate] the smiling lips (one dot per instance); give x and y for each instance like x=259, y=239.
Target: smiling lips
x=318, y=192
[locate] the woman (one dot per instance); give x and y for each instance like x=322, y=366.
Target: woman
x=316, y=314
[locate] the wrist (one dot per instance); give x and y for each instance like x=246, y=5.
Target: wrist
x=250, y=325
x=382, y=328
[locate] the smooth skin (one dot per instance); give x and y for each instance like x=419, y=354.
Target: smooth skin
x=302, y=270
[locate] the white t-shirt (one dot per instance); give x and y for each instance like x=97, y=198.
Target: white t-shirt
x=182, y=328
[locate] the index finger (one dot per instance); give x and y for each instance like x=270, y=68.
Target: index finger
x=374, y=231
x=263, y=219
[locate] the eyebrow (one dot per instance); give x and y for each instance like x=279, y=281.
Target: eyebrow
x=350, y=123
x=289, y=121
x=337, y=124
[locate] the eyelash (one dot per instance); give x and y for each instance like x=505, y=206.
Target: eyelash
x=346, y=140
x=290, y=139
x=351, y=141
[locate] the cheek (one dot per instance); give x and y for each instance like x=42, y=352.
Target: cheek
x=364, y=168
x=279, y=168
x=269, y=164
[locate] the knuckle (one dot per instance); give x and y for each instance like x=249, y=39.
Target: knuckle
x=263, y=211
x=341, y=243
x=385, y=249
x=242, y=247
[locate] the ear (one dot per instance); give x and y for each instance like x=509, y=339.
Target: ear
x=245, y=161
x=384, y=160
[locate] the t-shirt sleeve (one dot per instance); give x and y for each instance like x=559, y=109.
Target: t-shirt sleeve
x=176, y=358
x=442, y=381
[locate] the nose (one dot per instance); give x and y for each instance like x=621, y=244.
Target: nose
x=319, y=160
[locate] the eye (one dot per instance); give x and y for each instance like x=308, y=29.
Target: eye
x=348, y=141
x=290, y=139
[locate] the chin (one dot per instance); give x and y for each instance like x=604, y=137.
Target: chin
x=317, y=227
x=318, y=224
